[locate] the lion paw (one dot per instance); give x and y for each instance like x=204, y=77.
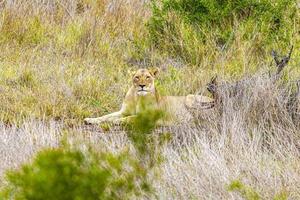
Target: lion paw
x=88, y=121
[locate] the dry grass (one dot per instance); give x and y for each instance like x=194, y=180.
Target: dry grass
x=66, y=60
x=253, y=138
x=59, y=58
x=58, y=61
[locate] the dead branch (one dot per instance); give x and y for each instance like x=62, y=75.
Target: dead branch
x=281, y=63
x=212, y=87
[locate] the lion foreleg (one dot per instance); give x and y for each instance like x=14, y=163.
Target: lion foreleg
x=112, y=117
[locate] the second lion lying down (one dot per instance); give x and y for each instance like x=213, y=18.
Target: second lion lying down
x=144, y=94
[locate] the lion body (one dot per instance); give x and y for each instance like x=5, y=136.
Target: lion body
x=143, y=94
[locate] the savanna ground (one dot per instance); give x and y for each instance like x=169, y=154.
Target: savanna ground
x=62, y=61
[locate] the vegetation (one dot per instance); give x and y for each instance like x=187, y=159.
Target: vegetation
x=58, y=58
x=68, y=173
x=175, y=22
x=249, y=193
x=245, y=191
x=62, y=61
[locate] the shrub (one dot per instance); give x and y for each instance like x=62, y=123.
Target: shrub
x=69, y=173
x=249, y=193
x=182, y=25
x=245, y=191
x=140, y=132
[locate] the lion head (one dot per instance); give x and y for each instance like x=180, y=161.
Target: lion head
x=143, y=81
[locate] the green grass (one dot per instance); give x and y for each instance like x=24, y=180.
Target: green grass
x=74, y=59
x=69, y=64
x=249, y=193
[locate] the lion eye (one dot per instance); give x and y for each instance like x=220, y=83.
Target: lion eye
x=137, y=78
x=148, y=77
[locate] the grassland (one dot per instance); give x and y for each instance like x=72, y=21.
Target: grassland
x=62, y=61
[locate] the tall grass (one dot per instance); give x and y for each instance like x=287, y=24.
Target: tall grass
x=62, y=61
x=246, y=148
x=59, y=58
x=71, y=172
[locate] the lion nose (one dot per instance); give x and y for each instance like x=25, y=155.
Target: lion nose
x=142, y=86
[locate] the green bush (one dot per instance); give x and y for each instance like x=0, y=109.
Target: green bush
x=69, y=173
x=249, y=193
x=141, y=135
x=245, y=191
x=175, y=22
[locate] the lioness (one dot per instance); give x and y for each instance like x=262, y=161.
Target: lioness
x=143, y=88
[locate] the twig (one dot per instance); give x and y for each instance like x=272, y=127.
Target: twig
x=212, y=85
x=281, y=63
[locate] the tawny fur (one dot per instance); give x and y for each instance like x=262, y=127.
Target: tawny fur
x=177, y=108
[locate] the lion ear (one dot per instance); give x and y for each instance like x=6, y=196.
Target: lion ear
x=154, y=71
x=131, y=72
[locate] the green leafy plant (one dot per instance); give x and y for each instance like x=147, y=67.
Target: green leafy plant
x=70, y=173
x=249, y=193
x=140, y=132
x=245, y=191
x=182, y=25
